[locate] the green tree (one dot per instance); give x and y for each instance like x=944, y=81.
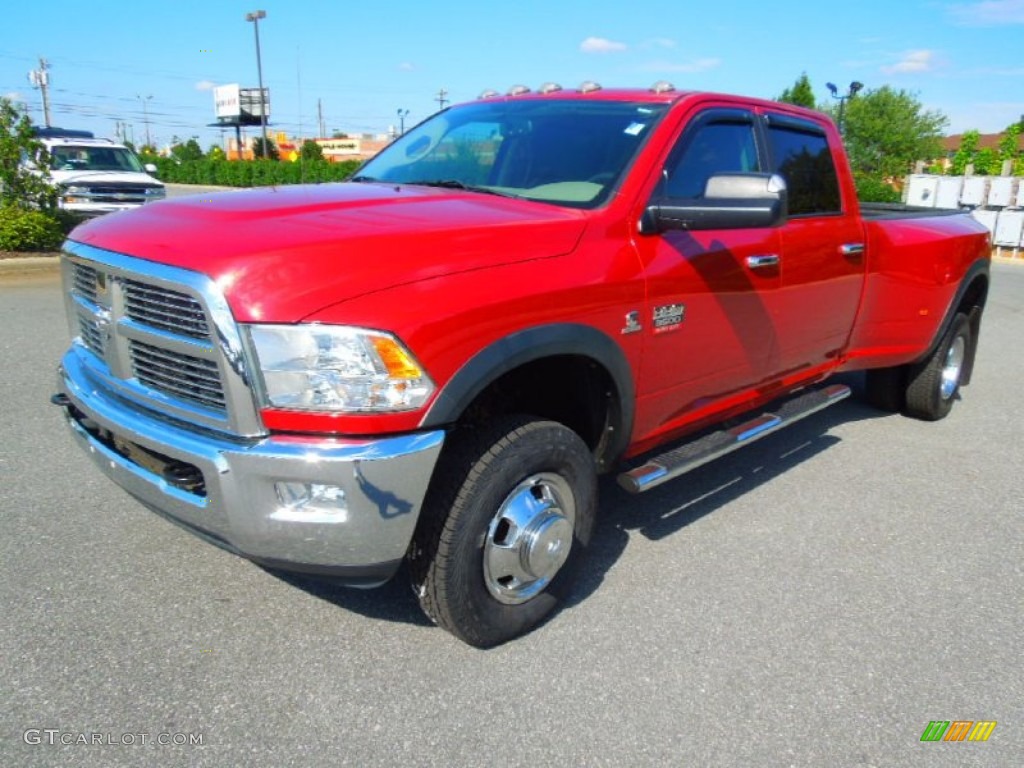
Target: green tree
x=188, y=150
x=1009, y=147
x=801, y=94
x=24, y=162
x=888, y=130
x=271, y=152
x=965, y=153
x=311, y=151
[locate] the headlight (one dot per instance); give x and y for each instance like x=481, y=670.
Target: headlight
x=156, y=192
x=337, y=368
x=76, y=190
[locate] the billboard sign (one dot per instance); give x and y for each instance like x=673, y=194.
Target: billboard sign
x=234, y=105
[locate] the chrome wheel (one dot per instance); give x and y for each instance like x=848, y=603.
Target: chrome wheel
x=952, y=367
x=529, y=539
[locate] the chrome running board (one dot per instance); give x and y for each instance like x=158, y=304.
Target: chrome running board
x=687, y=457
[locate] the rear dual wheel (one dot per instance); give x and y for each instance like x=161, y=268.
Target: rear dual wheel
x=506, y=521
x=932, y=385
x=928, y=389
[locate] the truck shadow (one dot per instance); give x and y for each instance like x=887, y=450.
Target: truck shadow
x=393, y=601
x=656, y=515
x=670, y=508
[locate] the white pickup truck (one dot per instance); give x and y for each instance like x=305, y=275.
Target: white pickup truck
x=96, y=176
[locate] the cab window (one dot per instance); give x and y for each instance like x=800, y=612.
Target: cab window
x=717, y=147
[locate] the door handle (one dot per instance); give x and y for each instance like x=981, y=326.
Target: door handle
x=851, y=249
x=759, y=262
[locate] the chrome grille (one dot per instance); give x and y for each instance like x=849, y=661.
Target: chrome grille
x=165, y=309
x=161, y=337
x=84, y=282
x=92, y=336
x=178, y=375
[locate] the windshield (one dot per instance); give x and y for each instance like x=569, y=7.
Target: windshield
x=87, y=158
x=564, y=151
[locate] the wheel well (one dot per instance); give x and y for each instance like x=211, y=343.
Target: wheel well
x=573, y=390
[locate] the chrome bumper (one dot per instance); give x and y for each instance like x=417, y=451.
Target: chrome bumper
x=382, y=483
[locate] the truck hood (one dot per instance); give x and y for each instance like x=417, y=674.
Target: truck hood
x=101, y=178
x=283, y=253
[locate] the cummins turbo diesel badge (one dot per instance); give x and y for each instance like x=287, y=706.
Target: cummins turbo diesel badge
x=668, y=317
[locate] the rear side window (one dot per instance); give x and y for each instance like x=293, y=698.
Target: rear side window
x=804, y=160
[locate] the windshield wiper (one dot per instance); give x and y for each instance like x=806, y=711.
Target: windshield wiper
x=456, y=184
x=361, y=179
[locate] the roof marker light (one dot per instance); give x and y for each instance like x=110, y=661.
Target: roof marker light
x=663, y=86
x=490, y=93
x=550, y=88
x=589, y=86
x=518, y=90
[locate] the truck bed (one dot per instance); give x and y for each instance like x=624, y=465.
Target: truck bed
x=883, y=211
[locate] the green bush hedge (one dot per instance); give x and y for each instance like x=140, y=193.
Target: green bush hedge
x=23, y=229
x=252, y=173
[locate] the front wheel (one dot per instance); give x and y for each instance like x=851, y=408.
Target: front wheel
x=509, y=514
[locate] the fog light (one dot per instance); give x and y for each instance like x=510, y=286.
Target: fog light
x=310, y=503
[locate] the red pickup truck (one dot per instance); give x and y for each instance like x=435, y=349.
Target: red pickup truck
x=433, y=362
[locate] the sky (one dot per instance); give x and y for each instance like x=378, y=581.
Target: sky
x=112, y=61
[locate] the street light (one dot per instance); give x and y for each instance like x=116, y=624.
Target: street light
x=855, y=86
x=255, y=17
x=402, y=114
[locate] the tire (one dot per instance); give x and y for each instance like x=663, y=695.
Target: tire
x=933, y=385
x=886, y=388
x=506, y=521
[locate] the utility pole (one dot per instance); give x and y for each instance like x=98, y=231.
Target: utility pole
x=145, y=115
x=402, y=114
x=255, y=17
x=442, y=97
x=40, y=79
x=320, y=118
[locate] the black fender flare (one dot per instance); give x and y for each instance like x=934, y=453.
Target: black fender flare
x=526, y=346
x=980, y=268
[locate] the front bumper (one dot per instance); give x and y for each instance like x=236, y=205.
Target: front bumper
x=235, y=504
x=97, y=207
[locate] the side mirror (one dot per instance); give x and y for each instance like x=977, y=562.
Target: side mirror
x=730, y=201
x=150, y=168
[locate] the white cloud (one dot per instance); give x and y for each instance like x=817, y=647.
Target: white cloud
x=659, y=42
x=406, y=66
x=205, y=85
x=601, y=45
x=696, y=65
x=912, y=61
x=13, y=96
x=988, y=13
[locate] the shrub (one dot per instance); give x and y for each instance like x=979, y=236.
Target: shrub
x=252, y=173
x=22, y=229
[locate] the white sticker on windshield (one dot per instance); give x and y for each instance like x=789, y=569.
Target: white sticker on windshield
x=634, y=129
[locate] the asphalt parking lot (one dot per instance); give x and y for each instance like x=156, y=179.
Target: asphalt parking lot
x=814, y=600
